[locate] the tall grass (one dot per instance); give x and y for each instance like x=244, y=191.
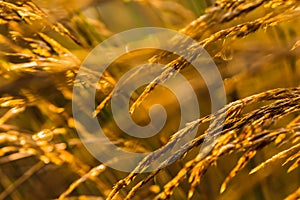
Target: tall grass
x=255, y=45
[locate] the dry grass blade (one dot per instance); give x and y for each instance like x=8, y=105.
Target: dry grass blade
x=92, y=173
x=216, y=14
x=21, y=180
x=141, y=184
x=295, y=164
x=240, y=165
x=294, y=196
x=280, y=155
x=9, y=114
x=103, y=104
x=60, y=49
x=296, y=45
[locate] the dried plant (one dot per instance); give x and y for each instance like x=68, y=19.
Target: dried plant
x=255, y=45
